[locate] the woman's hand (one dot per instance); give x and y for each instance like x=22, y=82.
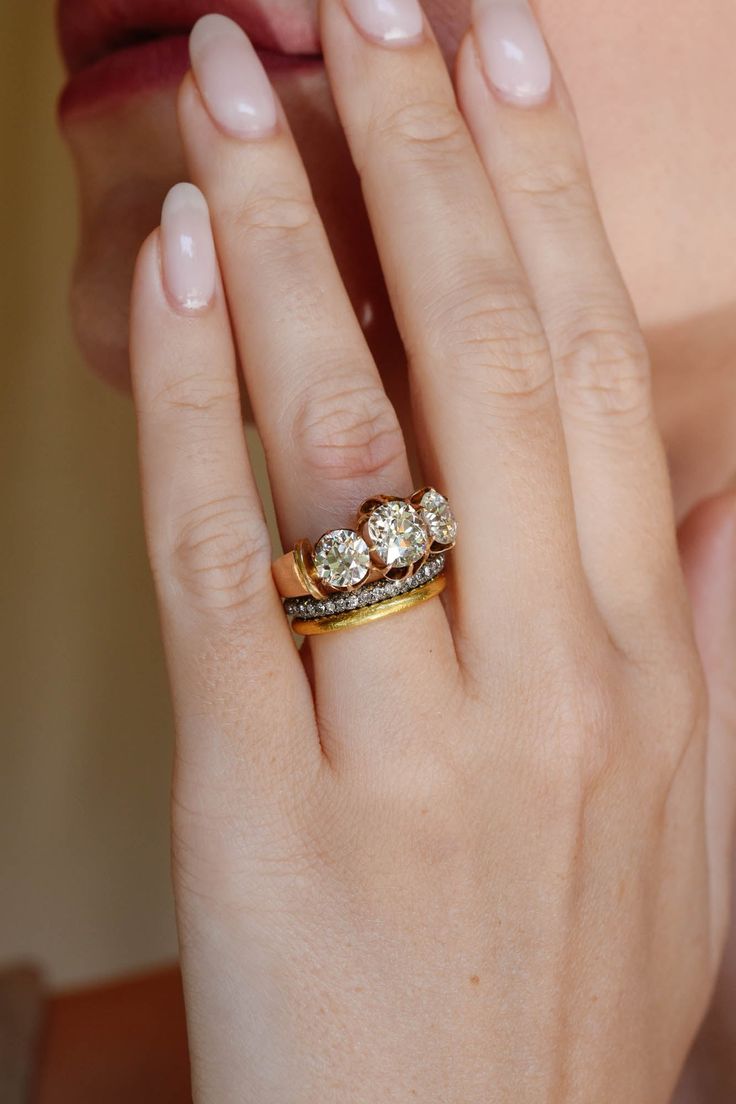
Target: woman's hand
x=466, y=854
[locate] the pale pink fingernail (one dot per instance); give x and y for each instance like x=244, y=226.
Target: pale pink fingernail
x=393, y=22
x=187, y=248
x=231, y=78
x=513, y=51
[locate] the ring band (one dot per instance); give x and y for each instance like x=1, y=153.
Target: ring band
x=352, y=618
x=313, y=609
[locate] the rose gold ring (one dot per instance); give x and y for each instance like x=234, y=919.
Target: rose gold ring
x=397, y=545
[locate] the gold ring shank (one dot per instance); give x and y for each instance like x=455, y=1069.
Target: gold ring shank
x=291, y=574
x=352, y=618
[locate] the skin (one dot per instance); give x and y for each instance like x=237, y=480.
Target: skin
x=611, y=727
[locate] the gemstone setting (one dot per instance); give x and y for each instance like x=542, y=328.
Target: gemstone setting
x=438, y=517
x=398, y=534
x=341, y=559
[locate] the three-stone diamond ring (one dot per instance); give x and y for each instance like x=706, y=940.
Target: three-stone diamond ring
x=393, y=559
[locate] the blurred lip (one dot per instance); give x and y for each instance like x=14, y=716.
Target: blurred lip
x=115, y=48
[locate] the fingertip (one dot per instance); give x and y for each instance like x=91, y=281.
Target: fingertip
x=476, y=90
x=513, y=53
x=187, y=250
x=231, y=78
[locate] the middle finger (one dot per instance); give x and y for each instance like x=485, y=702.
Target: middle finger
x=481, y=373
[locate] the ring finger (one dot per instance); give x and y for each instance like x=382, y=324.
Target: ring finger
x=481, y=373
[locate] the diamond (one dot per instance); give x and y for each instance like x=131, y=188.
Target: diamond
x=438, y=517
x=398, y=534
x=341, y=558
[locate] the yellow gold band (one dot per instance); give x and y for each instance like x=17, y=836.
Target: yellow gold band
x=352, y=618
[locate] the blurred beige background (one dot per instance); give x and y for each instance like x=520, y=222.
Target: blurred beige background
x=85, y=732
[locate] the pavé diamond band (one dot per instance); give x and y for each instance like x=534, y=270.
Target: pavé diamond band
x=371, y=611
x=396, y=549
x=307, y=608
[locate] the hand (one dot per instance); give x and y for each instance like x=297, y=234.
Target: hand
x=470, y=853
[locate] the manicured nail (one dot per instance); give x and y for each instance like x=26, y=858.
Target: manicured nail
x=393, y=22
x=231, y=78
x=513, y=51
x=187, y=248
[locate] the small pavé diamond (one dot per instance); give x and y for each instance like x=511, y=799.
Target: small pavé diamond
x=398, y=534
x=438, y=517
x=308, y=608
x=341, y=558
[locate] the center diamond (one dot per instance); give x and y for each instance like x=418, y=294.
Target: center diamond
x=398, y=534
x=341, y=559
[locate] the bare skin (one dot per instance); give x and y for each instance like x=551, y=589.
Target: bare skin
x=612, y=726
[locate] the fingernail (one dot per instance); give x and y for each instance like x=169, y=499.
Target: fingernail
x=513, y=51
x=187, y=248
x=393, y=22
x=230, y=76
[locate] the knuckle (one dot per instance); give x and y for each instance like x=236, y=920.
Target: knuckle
x=348, y=432
x=195, y=393
x=496, y=342
x=574, y=721
x=579, y=752
x=221, y=555
x=275, y=217
x=603, y=369
x=553, y=184
x=424, y=129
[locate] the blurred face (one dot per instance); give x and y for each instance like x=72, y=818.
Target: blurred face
x=654, y=89
x=126, y=59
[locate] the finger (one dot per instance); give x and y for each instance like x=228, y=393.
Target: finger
x=236, y=677
x=535, y=161
x=331, y=437
x=330, y=433
x=481, y=375
x=708, y=547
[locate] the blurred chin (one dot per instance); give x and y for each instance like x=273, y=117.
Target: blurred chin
x=127, y=156
x=101, y=281
x=126, y=159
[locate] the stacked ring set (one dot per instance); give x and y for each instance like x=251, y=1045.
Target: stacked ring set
x=392, y=560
